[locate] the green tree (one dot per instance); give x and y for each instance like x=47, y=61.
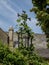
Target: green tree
x=41, y=9
x=24, y=28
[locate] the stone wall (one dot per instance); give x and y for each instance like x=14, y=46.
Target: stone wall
x=3, y=36
x=39, y=40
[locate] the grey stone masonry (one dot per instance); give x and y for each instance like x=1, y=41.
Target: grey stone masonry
x=11, y=33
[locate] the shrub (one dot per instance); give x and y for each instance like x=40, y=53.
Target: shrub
x=10, y=58
x=25, y=56
x=48, y=45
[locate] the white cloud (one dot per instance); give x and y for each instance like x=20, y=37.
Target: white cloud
x=11, y=3
x=6, y=10
x=5, y=25
x=2, y=24
x=32, y=22
x=10, y=15
x=32, y=25
x=5, y=4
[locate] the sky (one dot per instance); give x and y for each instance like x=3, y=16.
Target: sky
x=9, y=10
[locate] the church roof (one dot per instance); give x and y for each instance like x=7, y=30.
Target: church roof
x=3, y=32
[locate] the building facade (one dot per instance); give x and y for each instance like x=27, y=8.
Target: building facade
x=11, y=38
x=4, y=36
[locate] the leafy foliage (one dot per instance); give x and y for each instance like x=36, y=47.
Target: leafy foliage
x=41, y=9
x=10, y=58
x=19, y=57
x=24, y=29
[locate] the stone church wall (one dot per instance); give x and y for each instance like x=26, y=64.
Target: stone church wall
x=3, y=36
x=38, y=41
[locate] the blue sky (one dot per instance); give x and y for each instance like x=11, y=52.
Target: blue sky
x=9, y=10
